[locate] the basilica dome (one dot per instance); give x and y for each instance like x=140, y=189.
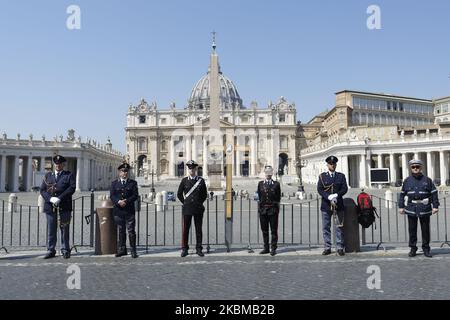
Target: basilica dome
x=229, y=96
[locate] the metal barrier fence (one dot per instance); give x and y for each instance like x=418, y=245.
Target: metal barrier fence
x=391, y=227
x=300, y=223
x=26, y=226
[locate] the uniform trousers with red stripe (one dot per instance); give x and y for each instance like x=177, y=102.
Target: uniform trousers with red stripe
x=187, y=221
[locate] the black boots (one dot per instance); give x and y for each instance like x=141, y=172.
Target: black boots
x=273, y=251
x=413, y=252
x=50, y=254
x=132, y=238
x=66, y=254
x=200, y=253
x=341, y=252
x=265, y=250
x=184, y=253
x=122, y=249
x=326, y=252
x=427, y=253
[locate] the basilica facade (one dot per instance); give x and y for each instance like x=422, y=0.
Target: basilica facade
x=162, y=140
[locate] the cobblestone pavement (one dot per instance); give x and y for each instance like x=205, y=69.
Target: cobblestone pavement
x=301, y=274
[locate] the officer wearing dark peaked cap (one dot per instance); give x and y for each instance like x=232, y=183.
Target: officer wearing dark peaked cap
x=422, y=203
x=269, y=196
x=57, y=189
x=192, y=193
x=124, y=192
x=332, y=186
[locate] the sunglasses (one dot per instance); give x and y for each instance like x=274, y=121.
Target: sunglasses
x=415, y=167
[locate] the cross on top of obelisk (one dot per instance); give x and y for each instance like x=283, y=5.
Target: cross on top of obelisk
x=214, y=40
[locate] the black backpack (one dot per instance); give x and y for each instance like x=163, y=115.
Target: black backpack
x=366, y=210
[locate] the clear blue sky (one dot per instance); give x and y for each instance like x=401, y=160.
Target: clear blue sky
x=53, y=79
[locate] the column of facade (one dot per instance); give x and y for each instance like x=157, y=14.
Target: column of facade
x=344, y=168
x=15, y=175
x=3, y=173
x=95, y=166
x=380, y=161
x=363, y=171
x=188, y=148
x=42, y=164
x=253, y=153
x=430, y=165
x=29, y=176
x=443, y=165
x=275, y=151
x=393, y=167
x=238, y=157
x=205, y=156
x=86, y=174
x=194, y=154
x=172, y=157
x=405, y=171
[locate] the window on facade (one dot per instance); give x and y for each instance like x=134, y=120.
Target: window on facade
x=163, y=120
x=164, y=145
x=142, y=144
x=142, y=119
x=282, y=117
x=261, y=120
x=244, y=119
x=226, y=119
x=401, y=106
x=355, y=118
x=180, y=120
x=283, y=142
x=394, y=106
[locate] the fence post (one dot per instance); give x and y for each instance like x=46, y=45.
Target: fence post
x=380, y=243
x=91, y=237
x=445, y=224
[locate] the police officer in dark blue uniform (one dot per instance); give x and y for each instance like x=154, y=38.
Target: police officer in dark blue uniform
x=269, y=196
x=57, y=189
x=332, y=186
x=422, y=203
x=192, y=193
x=124, y=192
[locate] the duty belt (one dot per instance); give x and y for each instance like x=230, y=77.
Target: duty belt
x=426, y=201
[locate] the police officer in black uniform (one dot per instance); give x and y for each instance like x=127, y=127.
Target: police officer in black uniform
x=57, y=189
x=422, y=203
x=192, y=193
x=332, y=186
x=269, y=196
x=123, y=194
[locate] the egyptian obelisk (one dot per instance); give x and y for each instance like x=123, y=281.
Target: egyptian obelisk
x=215, y=149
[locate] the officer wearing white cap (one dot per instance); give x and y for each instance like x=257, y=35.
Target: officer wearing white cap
x=422, y=203
x=332, y=186
x=57, y=189
x=269, y=195
x=192, y=193
x=123, y=193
